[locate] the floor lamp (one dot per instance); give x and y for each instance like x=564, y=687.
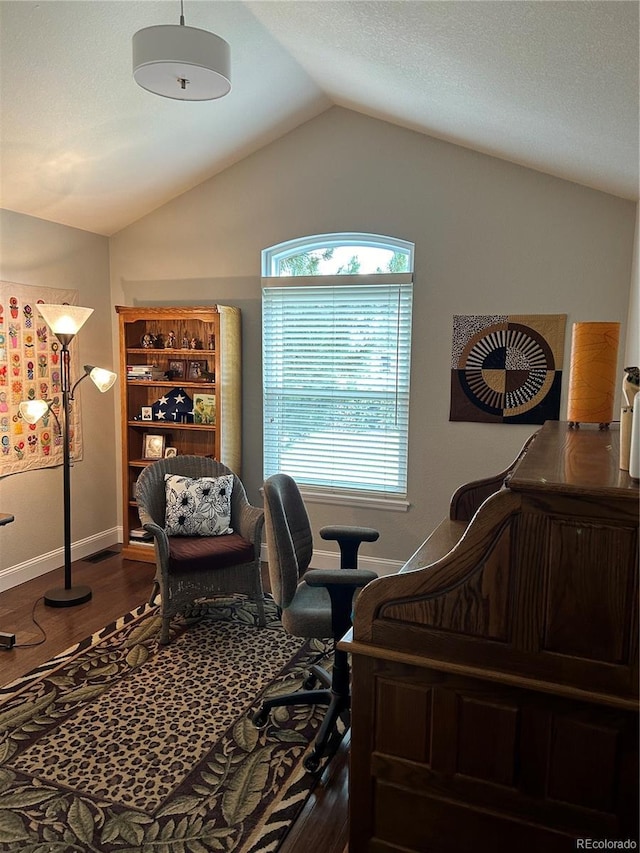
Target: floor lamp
x=65, y=321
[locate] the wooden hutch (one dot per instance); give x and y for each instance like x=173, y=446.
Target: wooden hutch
x=495, y=678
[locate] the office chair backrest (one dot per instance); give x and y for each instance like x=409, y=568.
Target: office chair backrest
x=288, y=535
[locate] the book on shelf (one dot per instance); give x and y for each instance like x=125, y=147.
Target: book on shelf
x=145, y=372
x=140, y=534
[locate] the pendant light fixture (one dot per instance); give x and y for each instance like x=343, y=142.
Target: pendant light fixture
x=184, y=63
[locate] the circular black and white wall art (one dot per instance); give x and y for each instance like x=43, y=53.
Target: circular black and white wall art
x=507, y=368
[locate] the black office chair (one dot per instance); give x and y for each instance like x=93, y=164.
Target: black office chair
x=315, y=603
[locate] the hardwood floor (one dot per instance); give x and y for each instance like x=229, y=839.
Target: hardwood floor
x=118, y=586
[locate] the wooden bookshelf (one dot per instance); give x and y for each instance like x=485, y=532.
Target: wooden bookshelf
x=197, y=351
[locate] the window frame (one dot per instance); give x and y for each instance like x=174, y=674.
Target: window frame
x=271, y=258
x=274, y=255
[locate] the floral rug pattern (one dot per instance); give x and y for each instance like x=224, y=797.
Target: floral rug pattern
x=123, y=745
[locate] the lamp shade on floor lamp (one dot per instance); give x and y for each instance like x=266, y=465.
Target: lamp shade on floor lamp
x=592, y=375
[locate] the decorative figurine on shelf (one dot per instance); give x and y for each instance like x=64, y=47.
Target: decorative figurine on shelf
x=185, y=341
x=148, y=341
x=170, y=343
x=212, y=341
x=193, y=343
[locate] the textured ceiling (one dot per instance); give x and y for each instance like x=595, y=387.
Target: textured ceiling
x=550, y=85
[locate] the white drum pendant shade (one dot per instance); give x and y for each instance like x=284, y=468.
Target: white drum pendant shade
x=181, y=62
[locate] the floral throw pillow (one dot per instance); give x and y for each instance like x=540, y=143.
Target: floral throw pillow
x=198, y=506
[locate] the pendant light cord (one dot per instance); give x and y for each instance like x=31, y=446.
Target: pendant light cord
x=182, y=13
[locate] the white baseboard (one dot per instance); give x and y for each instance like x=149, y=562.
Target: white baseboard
x=30, y=569
x=331, y=560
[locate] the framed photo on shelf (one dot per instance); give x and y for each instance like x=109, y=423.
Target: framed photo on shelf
x=170, y=452
x=147, y=413
x=153, y=447
x=196, y=369
x=204, y=408
x=177, y=368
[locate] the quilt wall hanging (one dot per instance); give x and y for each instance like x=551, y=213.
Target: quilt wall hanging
x=507, y=368
x=30, y=368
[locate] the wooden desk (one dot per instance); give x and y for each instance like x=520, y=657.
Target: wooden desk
x=495, y=678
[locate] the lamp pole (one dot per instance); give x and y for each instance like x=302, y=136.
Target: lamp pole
x=69, y=595
x=65, y=321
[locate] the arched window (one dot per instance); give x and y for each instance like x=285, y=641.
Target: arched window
x=350, y=253
x=336, y=364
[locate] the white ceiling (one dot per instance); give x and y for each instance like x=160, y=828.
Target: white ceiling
x=550, y=85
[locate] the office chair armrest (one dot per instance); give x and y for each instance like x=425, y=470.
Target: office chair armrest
x=340, y=577
x=349, y=532
x=349, y=538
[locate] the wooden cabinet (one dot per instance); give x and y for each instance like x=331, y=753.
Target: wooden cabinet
x=196, y=351
x=495, y=678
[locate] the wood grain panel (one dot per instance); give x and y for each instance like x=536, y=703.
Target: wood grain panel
x=429, y=824
x=535, y=738
x=589, y=680
x=588, y=609
x=478, y=607
x=530, y=559
x=403, y=720
x=506, y=750
x=491, y=757
x=577, y=748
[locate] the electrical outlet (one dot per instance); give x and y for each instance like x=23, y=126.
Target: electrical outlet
x=7, y=641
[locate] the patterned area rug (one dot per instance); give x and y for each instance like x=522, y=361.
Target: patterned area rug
x=120, y=744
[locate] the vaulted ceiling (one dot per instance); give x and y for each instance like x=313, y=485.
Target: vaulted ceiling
x=550, y=85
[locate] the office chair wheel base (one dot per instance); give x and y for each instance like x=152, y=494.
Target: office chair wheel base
x=260, y=718
x=310, y=681
x=311, y=763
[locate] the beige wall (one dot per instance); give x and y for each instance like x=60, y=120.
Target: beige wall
x=632, y=349
x=35, y=252
x=491, y=237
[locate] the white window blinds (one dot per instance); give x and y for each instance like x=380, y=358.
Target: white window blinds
x=336, y=364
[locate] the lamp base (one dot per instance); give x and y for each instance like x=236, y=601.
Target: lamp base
x=67, y=597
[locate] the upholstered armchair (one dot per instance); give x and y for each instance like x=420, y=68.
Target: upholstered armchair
x=190, y=518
